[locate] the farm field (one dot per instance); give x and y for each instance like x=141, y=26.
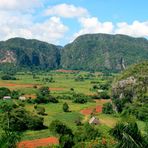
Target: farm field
x=63, y=83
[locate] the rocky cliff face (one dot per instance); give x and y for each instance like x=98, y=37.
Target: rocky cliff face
x=132, y=83
x=7, y=57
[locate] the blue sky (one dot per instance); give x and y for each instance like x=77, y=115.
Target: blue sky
x=61, y=21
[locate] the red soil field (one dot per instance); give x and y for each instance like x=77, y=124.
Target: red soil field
x=18, y=85
x=38, y=142
x=98, y=108
x=88, y=111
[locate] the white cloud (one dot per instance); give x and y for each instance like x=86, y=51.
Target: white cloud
x=136, y=29
x=93, y=25
x=67, y=11
x=21, y=5
x=51, y=30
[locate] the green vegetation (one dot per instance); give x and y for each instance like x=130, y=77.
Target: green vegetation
x=92, y=52
x=96, y=52
x=128, y=135
x=29, y=53
x=64, y=106
x=107, y=108
x=130, y=91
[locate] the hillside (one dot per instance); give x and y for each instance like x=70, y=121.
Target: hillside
x=130, y=91
x=133, y=81
x=93, y=52
x=29, y=53
x=103, y=51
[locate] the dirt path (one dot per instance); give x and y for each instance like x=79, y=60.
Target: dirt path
x=38, y=142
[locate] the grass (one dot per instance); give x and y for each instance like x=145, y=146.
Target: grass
x=65, y=81
x=54, y=111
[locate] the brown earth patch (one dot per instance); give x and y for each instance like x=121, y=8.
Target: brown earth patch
x=16, y=85
x=88, y=111
x=38, y=142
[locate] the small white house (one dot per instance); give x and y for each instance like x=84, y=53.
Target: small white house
x=22, y=98
x=93, y=120
x=6, y=97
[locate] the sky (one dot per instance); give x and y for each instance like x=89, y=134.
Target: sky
x=61, y=21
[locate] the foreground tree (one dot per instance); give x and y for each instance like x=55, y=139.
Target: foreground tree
x=128, y=135
x=65, y=133
x=9, y=139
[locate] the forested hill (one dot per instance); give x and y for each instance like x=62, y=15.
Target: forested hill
x=103, y=51
x=29, y=53
x=87, y=52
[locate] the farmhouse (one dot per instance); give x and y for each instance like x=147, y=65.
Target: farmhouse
x=6, y=97
x=93, y=120
x=22, y=98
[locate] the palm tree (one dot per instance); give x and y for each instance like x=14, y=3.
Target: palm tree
x=9, y=139
x=128, y=135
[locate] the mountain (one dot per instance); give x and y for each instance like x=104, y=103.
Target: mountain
x=29, y=53
x=88, y=52
x=103, y=52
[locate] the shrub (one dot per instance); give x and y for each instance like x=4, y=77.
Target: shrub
x=104, y=95
x=65, y=107
x=58, y=127
x=107, y=108
x=8, y=77
x=44, y=91
x=40, y=110
x=4, y=92
x=80, y=98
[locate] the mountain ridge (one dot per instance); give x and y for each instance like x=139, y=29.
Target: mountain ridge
x=92, y=52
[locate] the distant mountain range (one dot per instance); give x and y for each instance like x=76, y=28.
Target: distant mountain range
x=88, y=52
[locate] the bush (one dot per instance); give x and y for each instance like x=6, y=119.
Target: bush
x=107, y=108
x=40, y=110
x=35, y=122
x=58, y=127
x=65, y=107
x=4, y=92
x=65, y=133
x=80, y=98
x=15, y=94
x=8, y=77
x=44, y=91
x=86, y=133
x=104, y=95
